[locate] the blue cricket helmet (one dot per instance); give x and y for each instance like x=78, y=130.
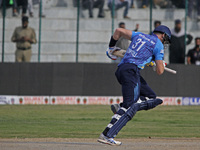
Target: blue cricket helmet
x=163, y=29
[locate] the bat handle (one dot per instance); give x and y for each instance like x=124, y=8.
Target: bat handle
x=170, y=70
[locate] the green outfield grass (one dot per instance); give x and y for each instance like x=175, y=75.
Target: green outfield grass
x=86, y=121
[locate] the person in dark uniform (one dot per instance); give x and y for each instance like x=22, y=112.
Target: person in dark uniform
x=193, y=56
x=177, y=47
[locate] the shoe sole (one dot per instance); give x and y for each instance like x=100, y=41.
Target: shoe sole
x=105, y=142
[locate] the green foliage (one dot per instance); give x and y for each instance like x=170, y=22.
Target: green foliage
x=86, y=121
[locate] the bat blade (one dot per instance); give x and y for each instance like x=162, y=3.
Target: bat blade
x=170, y=70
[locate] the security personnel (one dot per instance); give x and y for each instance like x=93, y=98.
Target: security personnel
x=24, y=36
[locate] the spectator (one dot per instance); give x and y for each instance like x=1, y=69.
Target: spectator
x=177, y=47
x=191, y=8
x=15, y=14
x=81, y=7
x=30, y=8
x=193, y=56
x=24, y=36
x=178, y=3
x=10, y=3
x=90, y=4
x=145, y=3
x=136, y=27
x=122, y=42
x=163, y=3
x=122, y=25
x=119, y=4
x=156, y=24
x=132, y=4
x=23, y=4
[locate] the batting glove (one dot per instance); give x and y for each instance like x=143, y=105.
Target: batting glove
x=151, y=64
x=109, y=52
x=154, y=67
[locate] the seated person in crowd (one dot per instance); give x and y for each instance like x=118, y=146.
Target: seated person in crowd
x=90, y=4
x=10, y=3
x=178, y=3
x=119, y=4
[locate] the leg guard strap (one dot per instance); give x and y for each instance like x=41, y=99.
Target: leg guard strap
x=150, y=104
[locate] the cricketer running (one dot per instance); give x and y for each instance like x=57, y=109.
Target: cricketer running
x=141, y=51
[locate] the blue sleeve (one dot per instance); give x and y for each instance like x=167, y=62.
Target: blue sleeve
x=134, y=34
x=158, y=51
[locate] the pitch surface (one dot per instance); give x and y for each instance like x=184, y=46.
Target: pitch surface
x=92, y=144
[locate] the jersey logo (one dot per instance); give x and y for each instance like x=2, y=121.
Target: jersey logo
x=162, y=51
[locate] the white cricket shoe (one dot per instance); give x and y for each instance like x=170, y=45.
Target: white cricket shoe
x=110, y=141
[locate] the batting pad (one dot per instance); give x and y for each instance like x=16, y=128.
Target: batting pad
x=123, y=120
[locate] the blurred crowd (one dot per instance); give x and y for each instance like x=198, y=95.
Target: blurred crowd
x=26, y=6
x=23, y=6
x=193, y=6
x=177, y=49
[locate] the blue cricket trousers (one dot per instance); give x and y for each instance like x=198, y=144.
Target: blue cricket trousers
x=133, y=85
